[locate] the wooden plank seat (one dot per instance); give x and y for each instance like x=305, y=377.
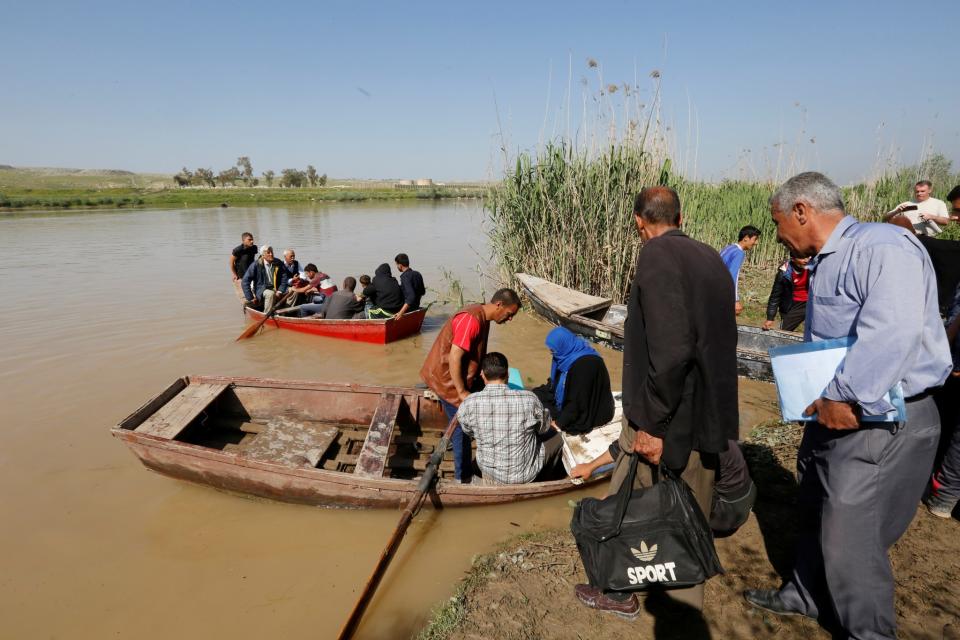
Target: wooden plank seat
x=173, y=417
x=289, y=442
x=373, y=456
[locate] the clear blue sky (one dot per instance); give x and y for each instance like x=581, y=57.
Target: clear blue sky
x=369, y=90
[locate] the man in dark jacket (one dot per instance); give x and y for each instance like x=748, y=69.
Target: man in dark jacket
x=384, y=293
x=264, y=280
x=679, y=369
x=411, y=283
x=789, y=294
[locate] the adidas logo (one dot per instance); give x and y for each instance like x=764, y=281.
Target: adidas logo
x=644, y=553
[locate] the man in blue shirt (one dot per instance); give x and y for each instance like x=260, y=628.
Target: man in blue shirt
x=860, y=483
x=733, y=255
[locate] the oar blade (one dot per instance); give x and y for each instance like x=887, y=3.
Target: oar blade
x=249, y=331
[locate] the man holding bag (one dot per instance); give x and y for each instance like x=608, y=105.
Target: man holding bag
x=679, y=371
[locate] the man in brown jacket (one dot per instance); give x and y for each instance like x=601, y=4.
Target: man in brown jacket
x=679, y=371
x=452, y=367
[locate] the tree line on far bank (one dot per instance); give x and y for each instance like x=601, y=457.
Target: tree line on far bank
x=243, y=172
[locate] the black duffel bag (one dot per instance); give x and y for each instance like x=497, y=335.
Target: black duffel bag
x=657, y=536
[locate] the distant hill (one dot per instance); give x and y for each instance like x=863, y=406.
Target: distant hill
x=60, y=178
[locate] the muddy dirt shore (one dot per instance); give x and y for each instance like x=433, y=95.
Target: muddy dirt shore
x=524, y=589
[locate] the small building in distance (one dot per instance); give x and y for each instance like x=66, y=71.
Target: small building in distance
x=419, y=183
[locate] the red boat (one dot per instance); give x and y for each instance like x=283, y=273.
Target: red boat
x=375, y=331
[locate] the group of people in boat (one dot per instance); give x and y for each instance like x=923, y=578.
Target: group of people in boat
x=517, y=431
x=267, y=282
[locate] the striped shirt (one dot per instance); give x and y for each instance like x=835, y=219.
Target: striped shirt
x=506, y=424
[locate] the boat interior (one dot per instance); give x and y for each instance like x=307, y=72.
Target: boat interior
x=613, y=315
x=367, y=431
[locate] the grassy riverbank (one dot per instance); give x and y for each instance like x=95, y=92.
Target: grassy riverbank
x=72, y=189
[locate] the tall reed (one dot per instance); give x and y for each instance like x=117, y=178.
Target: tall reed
x=563, y=211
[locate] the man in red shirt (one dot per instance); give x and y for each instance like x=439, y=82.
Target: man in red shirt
x=789, y=295
x=452, y=367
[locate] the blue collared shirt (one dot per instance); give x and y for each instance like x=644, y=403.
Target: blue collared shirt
x=732, y=256
x=875, y=282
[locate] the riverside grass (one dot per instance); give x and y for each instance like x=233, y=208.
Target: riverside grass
x=206, y=197
x=52, y=188
x=565, y=214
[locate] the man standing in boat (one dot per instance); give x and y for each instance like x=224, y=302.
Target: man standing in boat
x=242, y=256
x=452, y=367
x=679, y=371
x=411, y=283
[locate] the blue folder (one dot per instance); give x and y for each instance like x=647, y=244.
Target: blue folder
x=802, y=372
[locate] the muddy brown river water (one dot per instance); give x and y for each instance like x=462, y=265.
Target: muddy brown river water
x=101, y=311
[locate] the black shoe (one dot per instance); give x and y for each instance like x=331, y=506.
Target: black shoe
x=769, y=600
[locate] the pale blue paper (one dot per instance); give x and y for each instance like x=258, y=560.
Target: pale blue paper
x=802, y=372
x=516, y=380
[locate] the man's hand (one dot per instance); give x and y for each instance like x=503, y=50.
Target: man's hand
x=650, y=447
x=738, y=307
x=582, y=470
x=235, y=277
x=397, y=316
x=553, y=424
x=767, y=325
x=834, y=414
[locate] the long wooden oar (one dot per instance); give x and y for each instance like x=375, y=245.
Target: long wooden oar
x=429, y=475
x=252, y=329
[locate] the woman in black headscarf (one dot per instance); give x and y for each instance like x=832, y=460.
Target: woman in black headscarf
x=578, y=392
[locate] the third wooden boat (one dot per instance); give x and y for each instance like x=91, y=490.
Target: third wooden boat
x=600, y=320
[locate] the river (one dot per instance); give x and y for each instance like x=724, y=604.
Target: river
x=102, y=311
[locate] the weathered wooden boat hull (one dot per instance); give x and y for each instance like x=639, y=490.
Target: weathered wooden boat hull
x=753, y=359
x=373, y=331
x=608, y=335
x=348, y=405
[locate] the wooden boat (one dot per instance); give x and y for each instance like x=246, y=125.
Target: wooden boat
x=602, y=321
x=375, y=331
x=313, y=443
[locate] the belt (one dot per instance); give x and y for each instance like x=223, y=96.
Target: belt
x=926, y=393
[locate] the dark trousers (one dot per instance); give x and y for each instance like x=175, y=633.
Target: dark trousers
x=794, y=317
x=859, y=491
x=946, y=481
x=462, y=447
x=552, y=443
